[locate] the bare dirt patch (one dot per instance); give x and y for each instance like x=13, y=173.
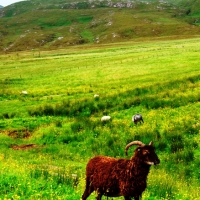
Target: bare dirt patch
x=23, y=146
x=24, y=133
x=19, y=134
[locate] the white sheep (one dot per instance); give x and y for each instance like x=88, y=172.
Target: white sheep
x=105, y=118
x=96, y=96
x=24, y=92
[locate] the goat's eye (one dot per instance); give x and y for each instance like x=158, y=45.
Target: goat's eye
x=145, y=152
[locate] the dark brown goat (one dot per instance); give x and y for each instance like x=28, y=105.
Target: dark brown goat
x=120, y=177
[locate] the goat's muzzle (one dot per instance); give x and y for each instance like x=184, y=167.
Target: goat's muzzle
x=156, y=162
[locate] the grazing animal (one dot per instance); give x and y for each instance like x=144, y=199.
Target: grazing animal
x=137, y=118
x=113, y=177
x=96, y=96
x=105, y=118
x=24, y=92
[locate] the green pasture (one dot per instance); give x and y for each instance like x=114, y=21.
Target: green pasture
x=60, y=117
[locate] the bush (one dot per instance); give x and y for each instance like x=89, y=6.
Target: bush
x=77, y=127
x=58, y=123
x=161, y=145
x=176, y=146
x=185, y=156
x=49, y=138
x=48, y=110
x=174, y=137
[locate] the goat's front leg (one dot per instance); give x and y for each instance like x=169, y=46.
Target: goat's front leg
x=137, y=197
x=99, y=196
x=127, y=198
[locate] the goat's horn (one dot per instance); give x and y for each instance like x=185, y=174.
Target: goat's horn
x=151, y=143
x=133, y=143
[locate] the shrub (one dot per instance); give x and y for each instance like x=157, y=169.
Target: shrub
x=188, y=172
x=58, y=123
x=48, y=110
x=49, y=138
x=174, y=137
x=185, y=156
x=192, y=129
x=66, y=139
x=176, y=146
x=161, y=145
x=76, y=127
x=6, y=115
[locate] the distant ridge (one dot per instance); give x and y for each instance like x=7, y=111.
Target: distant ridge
x=52, y=24
x=1, y=6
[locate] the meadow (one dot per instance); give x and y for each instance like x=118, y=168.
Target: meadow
x=60, y=120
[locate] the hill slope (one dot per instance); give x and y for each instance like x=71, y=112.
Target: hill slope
x=41, y=24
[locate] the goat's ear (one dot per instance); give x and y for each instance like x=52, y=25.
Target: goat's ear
x=151, y=143
x=138, y=149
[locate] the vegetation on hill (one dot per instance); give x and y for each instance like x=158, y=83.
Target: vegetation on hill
x=41, y=24
x=192, y=10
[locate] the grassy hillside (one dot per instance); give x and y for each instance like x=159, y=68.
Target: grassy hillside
x=59, y=119
x=191, y=10
x=58, y=24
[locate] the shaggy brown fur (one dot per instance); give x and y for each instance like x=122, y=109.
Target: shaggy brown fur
x=120, y=177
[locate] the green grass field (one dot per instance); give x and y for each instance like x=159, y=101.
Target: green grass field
x=60, y=118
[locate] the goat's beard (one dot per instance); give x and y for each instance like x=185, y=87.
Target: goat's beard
x=149, y=163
